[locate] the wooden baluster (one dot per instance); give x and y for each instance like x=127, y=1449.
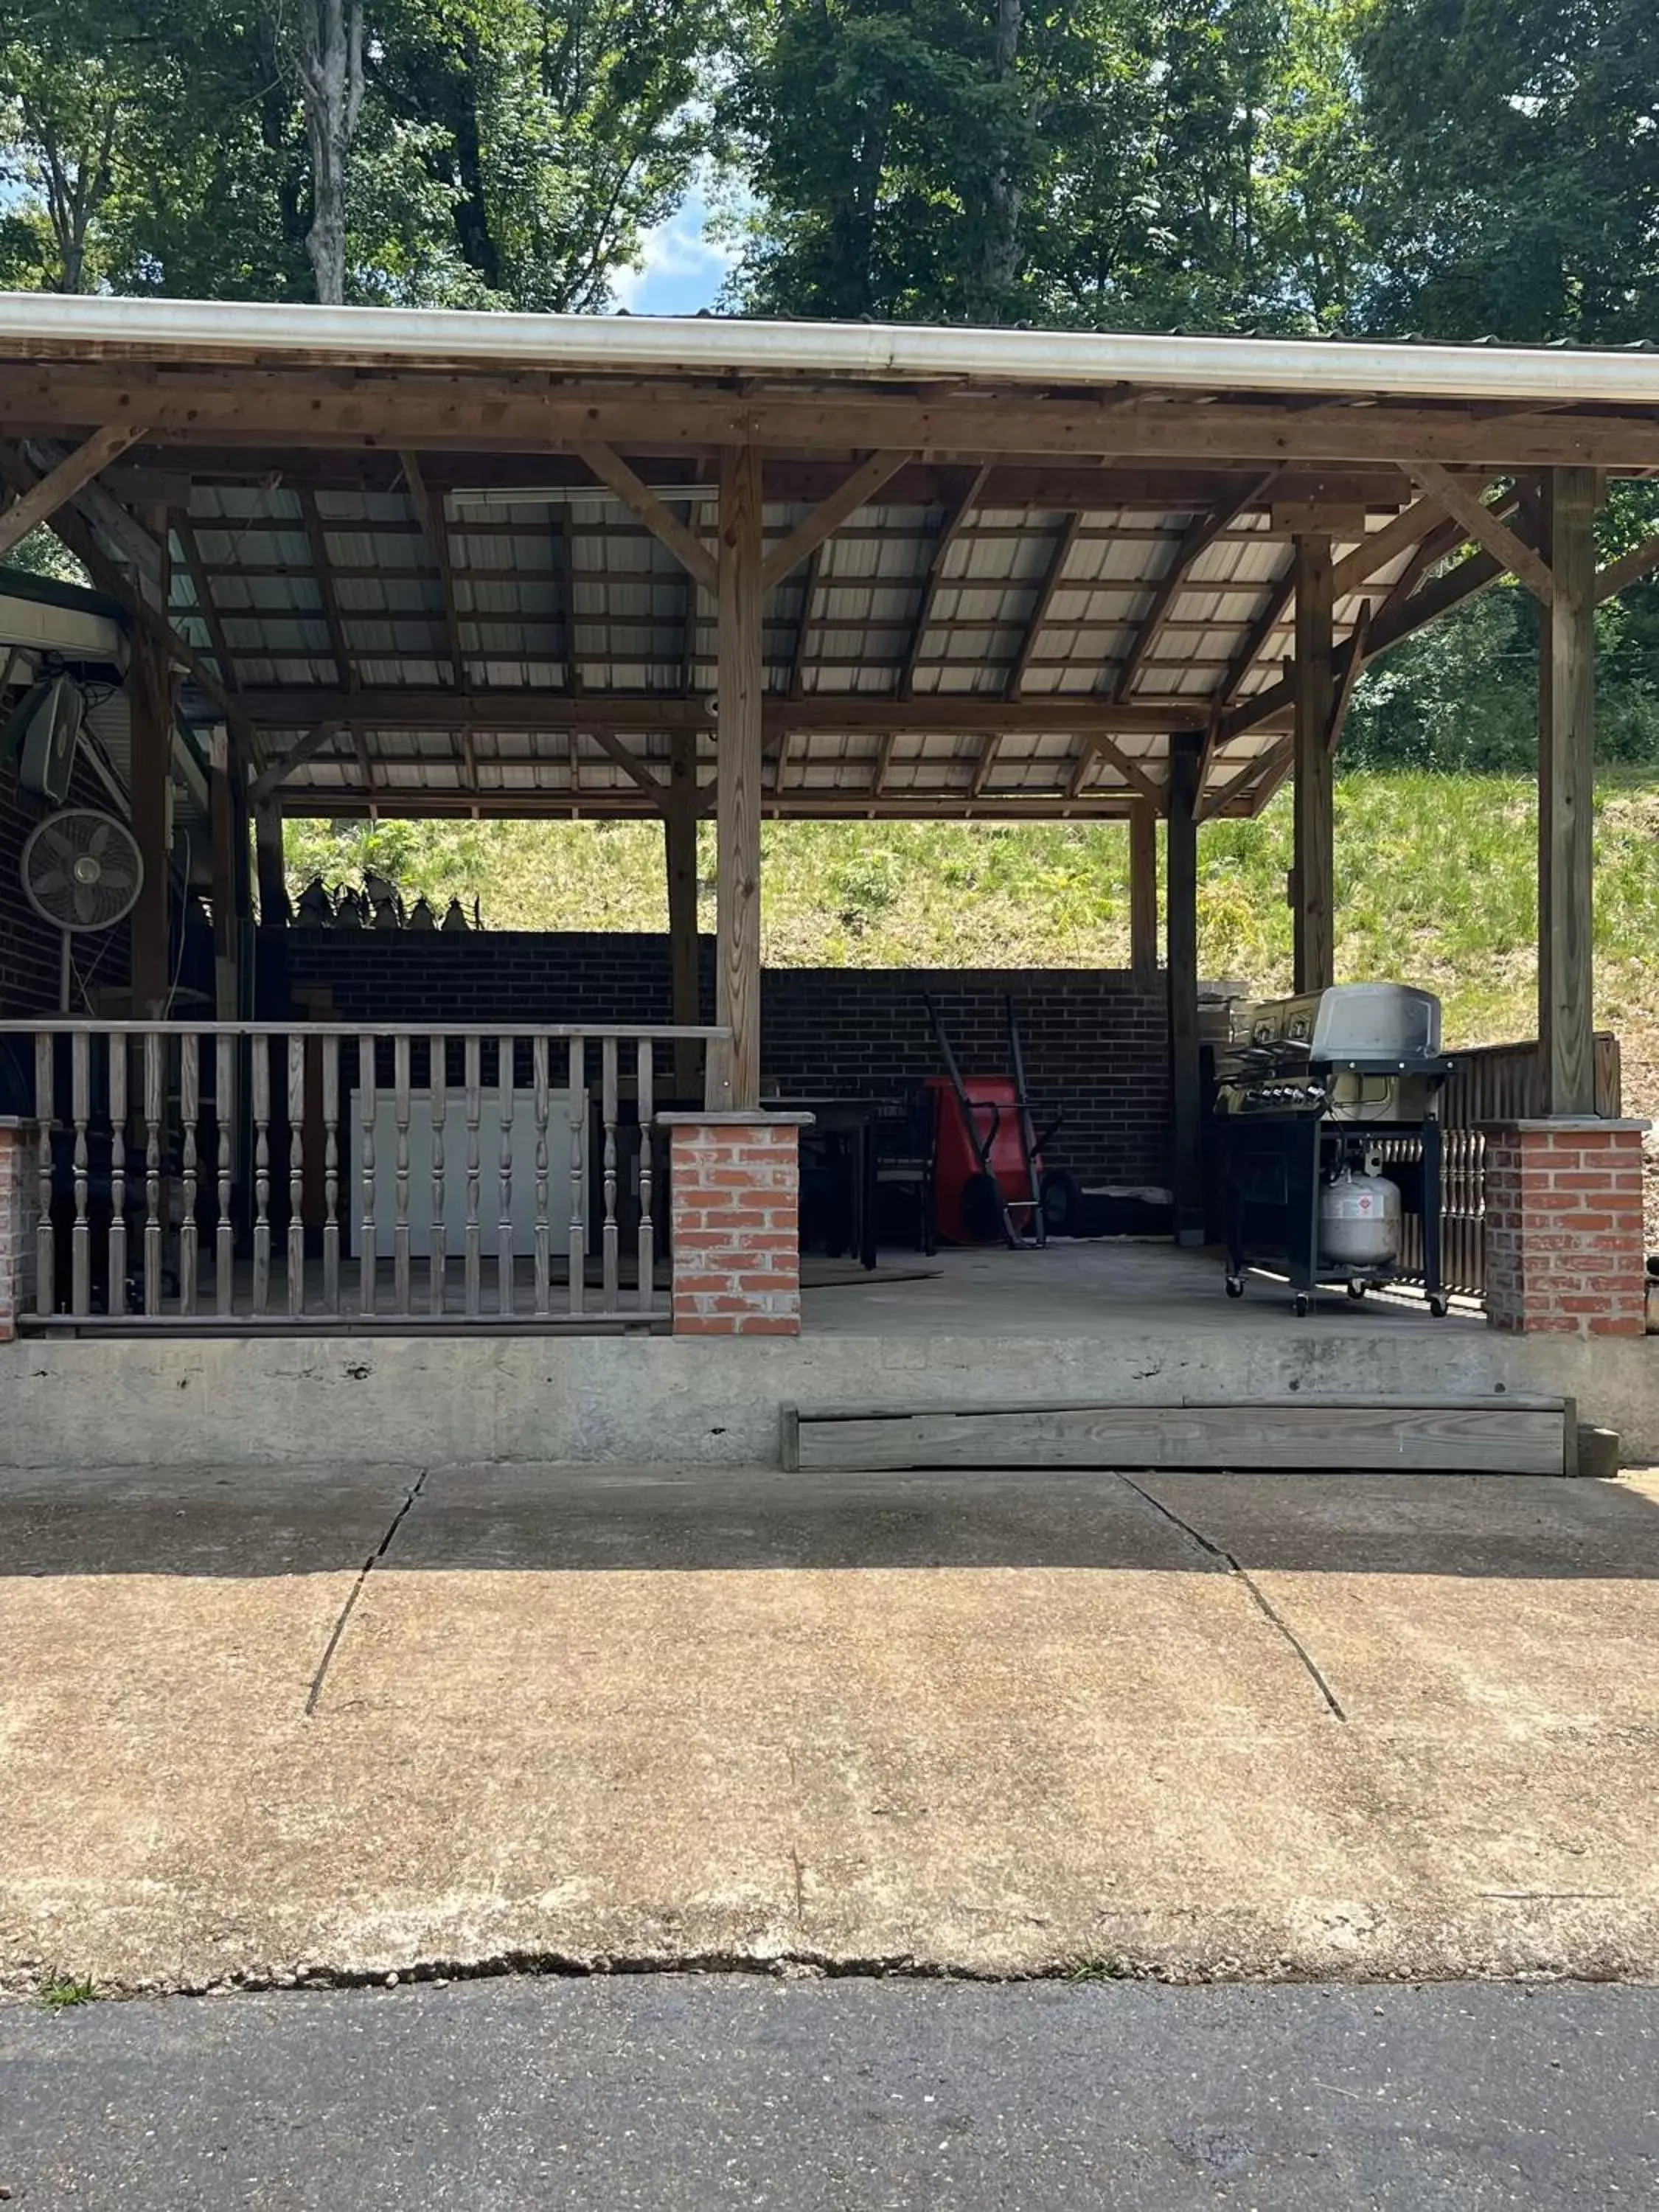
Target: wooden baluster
x=647, y=1116
x=474, y=1115
x=190, y=1109
x=224, y=1237
x=543, y=1108
x=45, y=1244
x=331, y=1173
x=117, y=1174
x=296, y=1174
x=608, y=1114
x=367, y=1258
x=578, y=1109
x=154, y=1096
x=261, y=1173
x=437, y=1088
x=505, y=1073
x=80, y=1114
x=400, y=1297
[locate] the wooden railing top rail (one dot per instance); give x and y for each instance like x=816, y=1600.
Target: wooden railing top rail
x=595, y=1032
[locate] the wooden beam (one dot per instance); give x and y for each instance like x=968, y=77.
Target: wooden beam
x=315, y=740
x=950, y=531
x=463, y=411
x=1097, y=744
x=30, y=508
x=78, y=536
x=984, y=765
x=693, y=555
x=1143, y=897
x=741, y=689
x=150, y=687
x=616, y=751
x=269, y=868
x=850, y=714
x=1053, y=576
x=1629, y=569
x=1566, y=776
x=1195, y=541
x=1484, y=527
x=803, y=628
x=429, y=513
x=1186, y=1100
x=1352, y=668
x=1312, y=873
x=201, y=585
x=1255, y=638
x=810, y=533
x=322, y=569
x=1375, y=551
x=1267, y=769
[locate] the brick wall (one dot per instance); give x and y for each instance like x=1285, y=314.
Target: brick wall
x=17, y=1219
x=1095, y=1046
x=1564, y=1228
x=734, y=1187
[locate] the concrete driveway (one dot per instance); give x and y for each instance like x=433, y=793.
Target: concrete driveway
x=358, y=1723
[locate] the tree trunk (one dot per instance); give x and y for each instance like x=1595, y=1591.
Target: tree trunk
x=322, y=41
x=1002, y=261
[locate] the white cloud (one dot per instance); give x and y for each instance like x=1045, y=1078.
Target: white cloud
x=681, y=267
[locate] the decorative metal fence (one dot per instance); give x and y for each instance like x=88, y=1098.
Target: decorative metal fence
x=256, y=1174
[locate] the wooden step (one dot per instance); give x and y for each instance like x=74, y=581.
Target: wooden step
x=1304, y=1431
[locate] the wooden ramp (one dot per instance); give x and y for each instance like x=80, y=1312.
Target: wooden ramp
x=1506, y=1434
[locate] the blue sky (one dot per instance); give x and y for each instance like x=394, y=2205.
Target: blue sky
x=683, y=267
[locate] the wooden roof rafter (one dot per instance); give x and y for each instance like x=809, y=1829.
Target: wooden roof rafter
x=1196, y=540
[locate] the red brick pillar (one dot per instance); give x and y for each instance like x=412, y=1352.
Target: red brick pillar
x=734, y=1217
x=1564, y=1227
x=18, y=1186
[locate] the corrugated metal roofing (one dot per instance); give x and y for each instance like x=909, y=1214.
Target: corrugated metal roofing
x=570, y=593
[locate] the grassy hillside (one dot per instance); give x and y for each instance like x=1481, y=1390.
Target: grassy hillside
x=1435, y=883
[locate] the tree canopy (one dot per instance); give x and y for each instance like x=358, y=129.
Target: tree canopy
x=1454, y=168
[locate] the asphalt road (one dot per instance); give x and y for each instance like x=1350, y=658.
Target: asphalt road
x=711, y=2090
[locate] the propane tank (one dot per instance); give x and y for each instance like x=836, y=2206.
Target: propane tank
x=1359, y=1218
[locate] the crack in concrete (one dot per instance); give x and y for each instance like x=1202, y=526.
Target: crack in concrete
x=380, y=1552
x=1264, y=1604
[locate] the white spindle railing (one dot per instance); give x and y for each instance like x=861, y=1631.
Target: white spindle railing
x=305, y=1175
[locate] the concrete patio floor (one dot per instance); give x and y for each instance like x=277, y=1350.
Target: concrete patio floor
x=1185, y=1725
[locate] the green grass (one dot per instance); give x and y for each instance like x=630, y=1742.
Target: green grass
x=1435, y=885
x=59, y=1992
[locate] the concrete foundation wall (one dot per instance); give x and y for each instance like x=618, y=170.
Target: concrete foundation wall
x=611, y=1400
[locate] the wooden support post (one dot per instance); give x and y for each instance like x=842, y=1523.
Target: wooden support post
x=1567, y=774
x=227, y=947
x=1143, y=899
x=739, y=735
x=1186, y=1099
x=150, y=695
x=680, y=849
x=1313, y=869
x=270, y=867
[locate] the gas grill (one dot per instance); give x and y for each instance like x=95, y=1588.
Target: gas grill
x=1326, y=1118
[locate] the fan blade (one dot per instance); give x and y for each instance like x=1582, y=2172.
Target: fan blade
x=85, y=902
x=53, y=881
x=99, y=839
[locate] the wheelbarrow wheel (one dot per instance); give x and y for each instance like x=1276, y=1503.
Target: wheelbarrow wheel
x=1062, y=1202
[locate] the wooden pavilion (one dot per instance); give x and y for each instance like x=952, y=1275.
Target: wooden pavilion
x=419, y=564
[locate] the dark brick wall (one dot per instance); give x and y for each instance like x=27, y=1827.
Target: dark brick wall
x=1096, y=1048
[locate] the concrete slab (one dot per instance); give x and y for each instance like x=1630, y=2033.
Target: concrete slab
x=992, y=1725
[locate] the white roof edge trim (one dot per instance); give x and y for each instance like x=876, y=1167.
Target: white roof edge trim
x=710, y=346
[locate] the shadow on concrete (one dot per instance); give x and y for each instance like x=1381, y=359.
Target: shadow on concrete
x=301, y=1521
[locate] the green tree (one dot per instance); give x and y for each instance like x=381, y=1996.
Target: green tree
x=1517, y=167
